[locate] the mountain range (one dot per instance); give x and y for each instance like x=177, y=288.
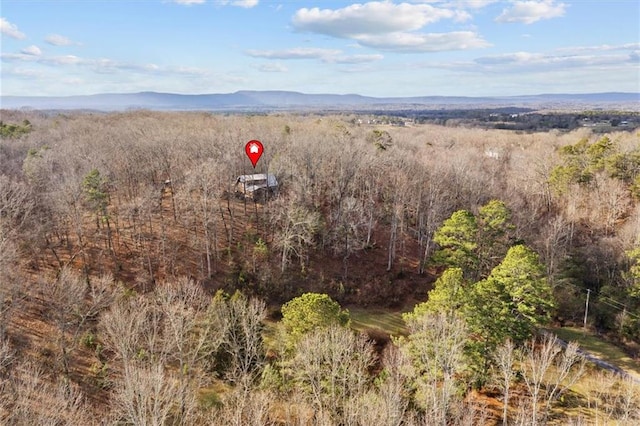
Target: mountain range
x=246, y=100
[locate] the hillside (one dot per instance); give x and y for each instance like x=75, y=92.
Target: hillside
x=295, y=101
x=129, y=266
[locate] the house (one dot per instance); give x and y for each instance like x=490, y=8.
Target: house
x=257, y=186
x=492, y=153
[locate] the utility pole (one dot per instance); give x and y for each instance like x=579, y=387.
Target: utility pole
x=586, y=310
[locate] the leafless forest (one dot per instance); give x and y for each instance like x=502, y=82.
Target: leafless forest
x=137, y=288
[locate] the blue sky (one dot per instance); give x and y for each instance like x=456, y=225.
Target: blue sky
x=376, y=48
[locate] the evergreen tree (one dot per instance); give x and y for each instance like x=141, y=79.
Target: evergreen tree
x=95, y=188
x=494, y=234
x=309, y=312
x=512, y=301
x=449, y=295
x=457, y=240
x=472, y=243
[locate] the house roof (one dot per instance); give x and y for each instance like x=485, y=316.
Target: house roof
x=257, y=181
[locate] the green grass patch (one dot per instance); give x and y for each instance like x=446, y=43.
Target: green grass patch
x=599, y=348
x=384, y=321
x=270, y=335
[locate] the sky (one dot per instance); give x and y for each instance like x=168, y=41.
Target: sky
x=374, y=48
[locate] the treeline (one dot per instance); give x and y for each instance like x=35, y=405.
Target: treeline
x=522, y=119
x=177, y=356
x=118, y=229
x=148, y=196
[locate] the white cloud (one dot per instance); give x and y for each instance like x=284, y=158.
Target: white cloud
x=389, y=26
x=109, y=66
x=176, y=70
x=511, y=58
x=330, y=56
x=461, y=4
x=105, y=65
x=529, y=12
x=601, y=48
x=62, y=60
x=59, y=40
x=295, y=53
x=247, y=4
x=371, y=18
x=23, y=73
x=474, y=4
x=16, y=57
x=584, y=59
x=272, y=67
x=536, y=61
x=11, y=30
x=566, y=57
x=418, y=42
x=32, y=50
x=353, y=59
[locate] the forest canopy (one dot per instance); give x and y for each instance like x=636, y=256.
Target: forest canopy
x=130, y=266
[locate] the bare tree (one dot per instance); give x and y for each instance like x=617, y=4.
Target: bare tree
x=65, y=296
x=548, y=371
x=388, y=402
x=6, y=356
x=435, y=348
x=73, y=302
x=434, y=206
x=613, y=399
x=201, y=195
x=296, y=229
x=16, y=206
x=396, y=195
x=6, y=359
x=556, y=236
x=505, y=358
x=167, y=340
x=10, y=288
x=164, y=341
x=627, y=401
x=34, y=399
x=132, y=328
x=241, y=407
x=611, y=203
x=146, y=395
x=331, y=367
x=243, y=339
x=66, y=198
x=140, y=213
x=187, y=339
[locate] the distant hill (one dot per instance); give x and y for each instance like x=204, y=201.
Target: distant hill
x=247, y=100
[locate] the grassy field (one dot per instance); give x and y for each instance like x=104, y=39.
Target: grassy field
x=391, y=323
x=378, y=320
x=574, y=404
x=599, y=348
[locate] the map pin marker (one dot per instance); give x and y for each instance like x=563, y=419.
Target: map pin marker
x=254, y=151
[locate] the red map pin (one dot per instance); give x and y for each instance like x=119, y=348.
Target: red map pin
x=254, y=151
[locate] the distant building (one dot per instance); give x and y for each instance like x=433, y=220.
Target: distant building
x=258, y=187
x=492, y=153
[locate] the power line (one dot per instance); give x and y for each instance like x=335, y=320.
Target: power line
x=614, y=301
x=626, y=312
x=603, y=299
